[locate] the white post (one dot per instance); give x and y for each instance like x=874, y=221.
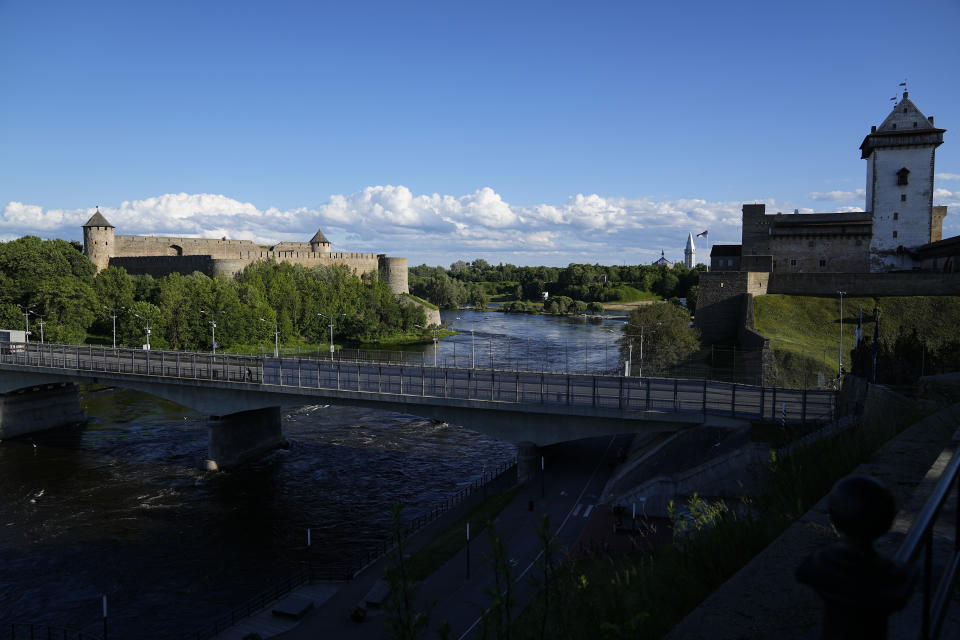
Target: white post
x=308, y=537
x=840, y=350
x=473, y=350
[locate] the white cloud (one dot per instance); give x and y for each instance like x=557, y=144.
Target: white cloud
x=432, y=228
x=942, y=196
x=948, y=176
x=838, y=195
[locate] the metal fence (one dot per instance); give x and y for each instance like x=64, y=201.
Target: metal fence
x=312, y=572
x=38, y=631
x=920, y=538
x=628, y=394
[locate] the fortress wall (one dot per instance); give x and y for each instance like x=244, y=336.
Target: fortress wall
x=138, y=246
x=865, y=284
x=160, y=266
x=802, y=253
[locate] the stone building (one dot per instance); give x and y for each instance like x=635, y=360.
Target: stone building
x=893, y=248
x=159, y=256
x=899, y=224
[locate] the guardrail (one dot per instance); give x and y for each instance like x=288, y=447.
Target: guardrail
x=311, y=572
x=484, y=385
x=37, y=631
x=920, y=539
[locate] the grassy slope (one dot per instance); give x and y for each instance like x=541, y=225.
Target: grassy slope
x=804, y=331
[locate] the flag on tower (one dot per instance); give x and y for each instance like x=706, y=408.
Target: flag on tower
x=702, y=234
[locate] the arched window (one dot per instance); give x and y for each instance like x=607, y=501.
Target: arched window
x=903, y=175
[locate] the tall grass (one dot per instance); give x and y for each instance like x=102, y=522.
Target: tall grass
x=644, y=594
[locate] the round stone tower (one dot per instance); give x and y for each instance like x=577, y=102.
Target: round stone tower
x=319, y=243
x=98, y=240
x=393, y=271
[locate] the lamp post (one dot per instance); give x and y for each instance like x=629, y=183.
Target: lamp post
x=276, y=336
x=41, y=323
x=434, y=341
x=146, y=324
x=213, y=327
x=113, y=315
x=643, y=328
x=840, y=349
x=26, y=319
x=330, y=318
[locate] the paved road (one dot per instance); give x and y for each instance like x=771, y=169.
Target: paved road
x=576, y=475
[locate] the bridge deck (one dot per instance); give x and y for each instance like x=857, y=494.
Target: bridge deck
x=552, y=391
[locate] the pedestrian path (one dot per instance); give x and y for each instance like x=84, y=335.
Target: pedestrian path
x=580, y=471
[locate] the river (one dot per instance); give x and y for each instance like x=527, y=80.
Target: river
x=121, y=506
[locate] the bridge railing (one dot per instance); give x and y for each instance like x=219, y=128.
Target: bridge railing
x=627, y=394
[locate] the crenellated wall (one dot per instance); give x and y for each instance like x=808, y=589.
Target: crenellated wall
x=161, y=255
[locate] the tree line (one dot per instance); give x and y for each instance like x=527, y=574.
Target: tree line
x=59, y=287
x=461, y=284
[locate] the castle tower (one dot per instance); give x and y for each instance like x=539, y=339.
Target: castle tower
x=900, y=160
x=98, y=240
x=319, y=243
x=690, y=252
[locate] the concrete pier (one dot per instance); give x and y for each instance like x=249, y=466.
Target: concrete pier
x=238, y=437
x=528, y=461
x=38, y=408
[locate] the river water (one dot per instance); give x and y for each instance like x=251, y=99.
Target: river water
x=121, y=506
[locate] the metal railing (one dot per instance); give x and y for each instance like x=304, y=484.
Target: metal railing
x=311, y=572
x=478, y=385
x=37, y=631
x=920, y=539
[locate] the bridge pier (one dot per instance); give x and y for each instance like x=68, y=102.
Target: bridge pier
x=528, y=461
x=238, y=437
x=38, y=408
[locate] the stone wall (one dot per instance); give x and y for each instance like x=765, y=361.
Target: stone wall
x=806, y=253
x=160, y=266
x=39, y=408
x=758, y=357
x=864, y=284
x=720, y=303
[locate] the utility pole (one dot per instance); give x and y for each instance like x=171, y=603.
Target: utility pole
x=840, y=350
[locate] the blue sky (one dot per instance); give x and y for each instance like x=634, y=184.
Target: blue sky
x=532, y=133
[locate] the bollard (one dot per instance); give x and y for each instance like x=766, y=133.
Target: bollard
x=859, y=587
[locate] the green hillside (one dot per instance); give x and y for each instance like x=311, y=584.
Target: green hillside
x=804, y=331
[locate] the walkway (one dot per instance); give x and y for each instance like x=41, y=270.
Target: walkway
x=571, y=493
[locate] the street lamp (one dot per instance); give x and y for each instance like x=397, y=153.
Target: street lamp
x=276, y=336
x=113, y=314
x=434, y=341
x=840, y=350
x=41, y=323
x=26, y=319
x=213, y=326
x=146, y=324
x=643, y=328
x=330, y=318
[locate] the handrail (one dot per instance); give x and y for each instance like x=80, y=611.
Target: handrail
x=920, y=537
x=41, y=631
x=477, y=385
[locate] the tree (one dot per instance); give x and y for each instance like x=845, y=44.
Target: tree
x=668, y=338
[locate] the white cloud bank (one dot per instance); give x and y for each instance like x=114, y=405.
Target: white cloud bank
x=431, y=228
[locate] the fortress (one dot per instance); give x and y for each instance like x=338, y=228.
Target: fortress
x=893, y=248
x=159, y=256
